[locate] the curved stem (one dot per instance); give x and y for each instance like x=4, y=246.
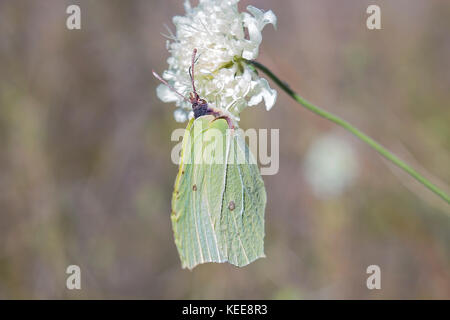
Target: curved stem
x=372, y=143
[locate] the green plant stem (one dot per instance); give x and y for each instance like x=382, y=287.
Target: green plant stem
x=372, y=143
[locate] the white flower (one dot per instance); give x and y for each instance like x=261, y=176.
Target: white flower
x=223, y=37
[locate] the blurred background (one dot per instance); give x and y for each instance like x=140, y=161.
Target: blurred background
x=86, y=176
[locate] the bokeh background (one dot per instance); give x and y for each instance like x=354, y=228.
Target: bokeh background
x=86, y=176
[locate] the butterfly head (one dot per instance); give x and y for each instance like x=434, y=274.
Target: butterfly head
x=195, y=99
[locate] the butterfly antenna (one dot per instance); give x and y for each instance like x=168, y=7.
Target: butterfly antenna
x=157, y=76
x=191, y=70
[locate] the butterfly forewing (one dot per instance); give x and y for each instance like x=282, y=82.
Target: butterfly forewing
x=219, y=198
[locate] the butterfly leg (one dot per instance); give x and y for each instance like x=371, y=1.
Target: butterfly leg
x=219, y=115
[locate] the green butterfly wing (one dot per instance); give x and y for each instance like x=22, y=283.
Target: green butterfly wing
x=218, y=204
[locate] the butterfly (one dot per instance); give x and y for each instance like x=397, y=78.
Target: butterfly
x=219, y=198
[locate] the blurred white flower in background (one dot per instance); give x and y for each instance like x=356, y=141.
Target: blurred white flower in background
x=331, y=165
x=223, y=37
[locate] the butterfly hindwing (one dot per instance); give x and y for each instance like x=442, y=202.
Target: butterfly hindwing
x=219, y=197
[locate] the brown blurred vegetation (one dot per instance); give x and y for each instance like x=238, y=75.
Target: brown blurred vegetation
x=86, y=176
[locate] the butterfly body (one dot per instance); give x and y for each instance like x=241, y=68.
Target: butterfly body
x=199, y=106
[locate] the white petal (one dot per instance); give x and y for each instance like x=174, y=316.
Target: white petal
x=263, y=91
x=249, y=54
x=165, y=94
x=187, y=6
x=262, y=17
x=180, y=115
x=254, y=25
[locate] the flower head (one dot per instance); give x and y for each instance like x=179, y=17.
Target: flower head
x=225, y=38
